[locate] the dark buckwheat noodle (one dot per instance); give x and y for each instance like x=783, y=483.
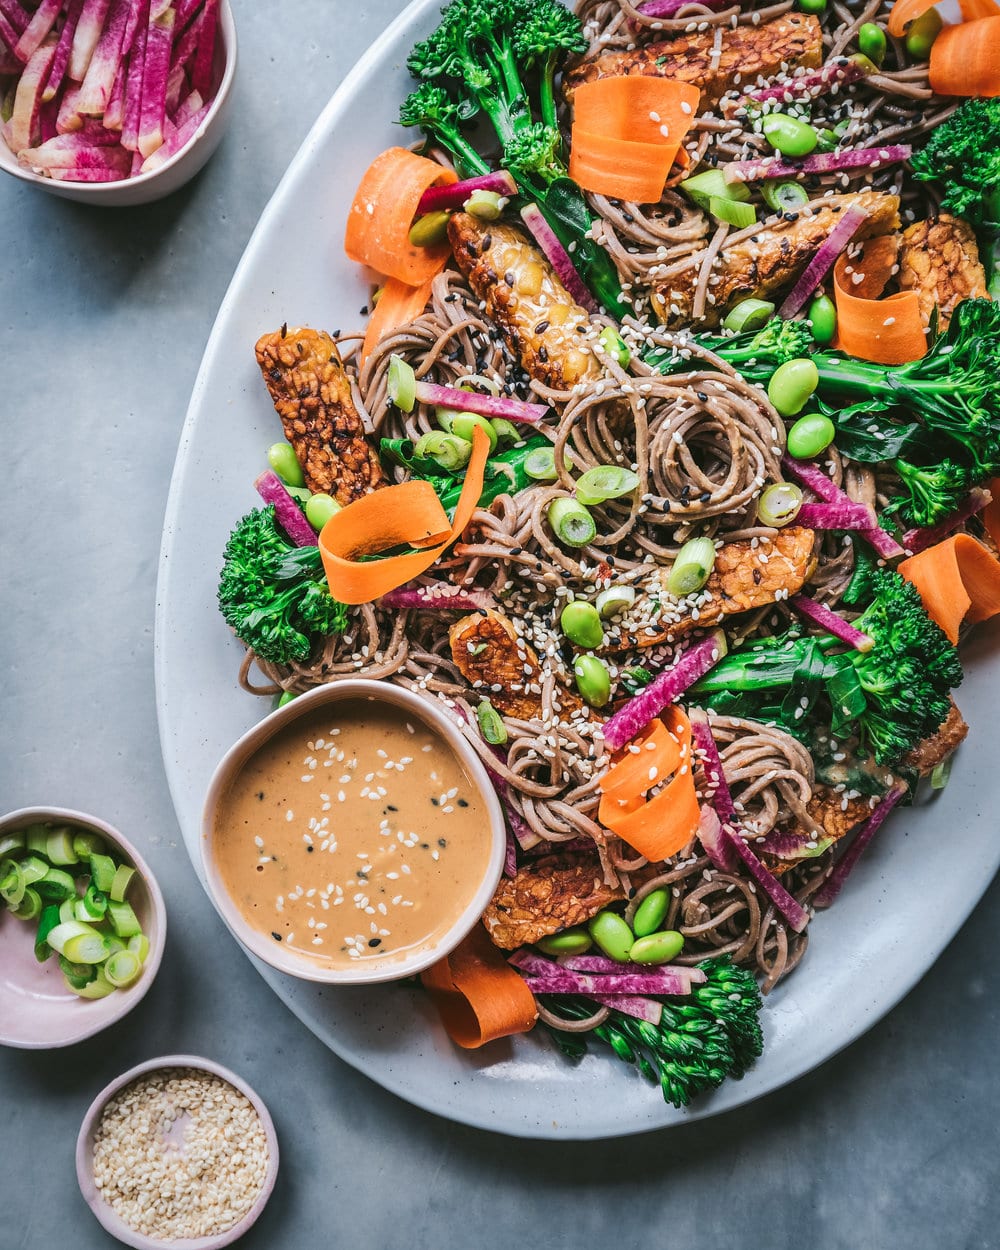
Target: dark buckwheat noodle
x=703, y=444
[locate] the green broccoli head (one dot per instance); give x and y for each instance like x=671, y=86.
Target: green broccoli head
x=776, y=343
x=932, y=492
x=532, y=155
x=962, y=152
x=548, y=29
x=274, y=594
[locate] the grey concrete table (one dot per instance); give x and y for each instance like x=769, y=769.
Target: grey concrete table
x=103, y=317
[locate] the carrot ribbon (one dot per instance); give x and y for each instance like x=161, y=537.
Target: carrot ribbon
x=398, y=304
x=658, y=827
x=965, y=59
x=479, y=996
x=885, y=331
x=627, y=133
x=384, y=206
x=958, y=580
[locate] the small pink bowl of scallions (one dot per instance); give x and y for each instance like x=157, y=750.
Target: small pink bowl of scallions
x=82, y=927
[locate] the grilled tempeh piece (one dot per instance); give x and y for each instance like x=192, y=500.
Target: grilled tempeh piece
x=489, y=654
x=311, y=392
x=939, y=259
x=744, y=53
x=545, y=896
x=950, y=735
x=539, y=318
x=744, y=578
x=769, y=261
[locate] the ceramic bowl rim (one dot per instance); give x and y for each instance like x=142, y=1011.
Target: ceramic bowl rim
x=113, y=1223
x=255, y=737
x=135, y=993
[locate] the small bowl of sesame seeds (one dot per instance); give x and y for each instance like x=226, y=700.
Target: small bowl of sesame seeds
x=178, y=1151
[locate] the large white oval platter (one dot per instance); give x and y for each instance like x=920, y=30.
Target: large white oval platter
x=895, y=918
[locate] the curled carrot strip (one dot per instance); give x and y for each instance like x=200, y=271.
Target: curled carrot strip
x=658, y=827
x=384, y=206
x=409, y=513
x=965, y=59
x=627, y=133
x=398, y=304
x=958, y=580
x=885, y=331
x=479, y=996
x=973, y=10
x=905, y=12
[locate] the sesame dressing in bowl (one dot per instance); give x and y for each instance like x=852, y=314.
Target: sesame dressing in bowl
x=353, y=836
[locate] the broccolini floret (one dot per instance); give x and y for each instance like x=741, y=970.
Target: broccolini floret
x=892, y=696
x=274, y=594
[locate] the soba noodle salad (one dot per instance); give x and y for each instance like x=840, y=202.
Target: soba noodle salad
x=662, y=462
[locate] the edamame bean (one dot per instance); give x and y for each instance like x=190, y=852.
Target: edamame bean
x=813, y=6
x=651, y=913
x=581, y=624
x=871, y=41
x=430, y=229
x=822, y=318
x=791, y=385
x=657, y=948
x=319, y=509
x=282, y=459
x=286, y=697
x=506, y=431
x=569, y=942
x=592, y=679
x=922, y=33
x=612, y=935
x=788, y=135
x=810, y=435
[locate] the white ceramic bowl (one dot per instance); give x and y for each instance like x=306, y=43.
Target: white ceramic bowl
x=85, y=1158
x=175, y=172
x=367, y=971
x=37, y=1009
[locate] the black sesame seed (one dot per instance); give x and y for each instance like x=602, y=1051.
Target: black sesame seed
x=463, y=802
x=390, y=808
x=435, y=803
x=487, y=242
x=541, y=327
x=374, y=942
x=442, y=842
x=310, y=849
x=276, y=936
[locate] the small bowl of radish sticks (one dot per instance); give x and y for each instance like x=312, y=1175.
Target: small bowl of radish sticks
x=82, y=927
x=115, y=102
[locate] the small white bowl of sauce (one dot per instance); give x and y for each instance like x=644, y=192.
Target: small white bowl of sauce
x=352, y=836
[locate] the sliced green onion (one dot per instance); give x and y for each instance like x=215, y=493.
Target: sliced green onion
x=100, y=987
x=57, y=885
x=463, y=425
x=46, y=923
x=614, y=600
x=941, y=772
x=123, y=919
x=138, y=944
x=119, y=887
x=506, y=431
x=606, y=481
x=34, y=869
x=86, y=844
x=692, y=568
x=402, y=384
x=703, y=187
x=615, y=346
x=94, y=903
x=30, y=905
x=540, y=465
x=486, y=205
x=79, y=942
x=12, y=884
x=749, y=314
x=571, y=522
x=102, y=872
x=491, y=724
x=447, y=450
x=783, y=195
x=732, y=212
x=36, y=838
x=779, y=505
x=11, y=842
x=67, y=910
x=122, y=968
x=77, y=975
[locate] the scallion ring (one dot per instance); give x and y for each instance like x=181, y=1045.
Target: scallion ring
x=604, y=482
x=779, y=505
x=571, y=523
x=402, y=384
x=692, y=568
x=615, y=599
x=491, y=724
x=540, y=465
x=447, y=450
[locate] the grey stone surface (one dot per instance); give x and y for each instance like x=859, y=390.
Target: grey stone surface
x=103, y=317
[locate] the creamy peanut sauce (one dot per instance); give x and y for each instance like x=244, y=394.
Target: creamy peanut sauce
x=353, y=834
